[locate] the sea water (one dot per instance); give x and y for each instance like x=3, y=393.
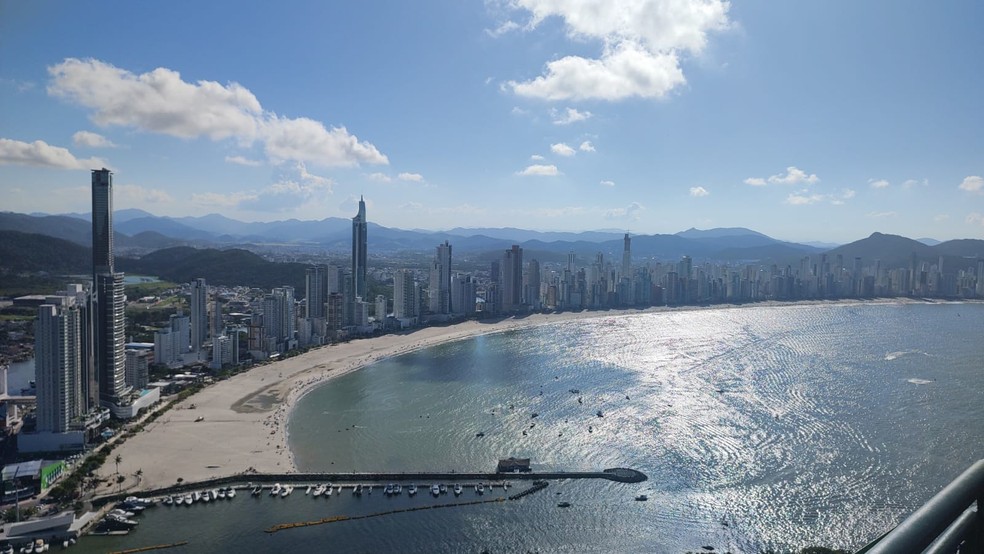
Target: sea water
x=758, y=427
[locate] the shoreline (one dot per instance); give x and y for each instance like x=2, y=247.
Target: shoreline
x=239, y=425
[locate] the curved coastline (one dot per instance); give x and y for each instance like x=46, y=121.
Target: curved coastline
x=245, y=418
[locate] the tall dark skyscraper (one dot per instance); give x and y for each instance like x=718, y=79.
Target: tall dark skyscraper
x=359, y=259
x=108, y=300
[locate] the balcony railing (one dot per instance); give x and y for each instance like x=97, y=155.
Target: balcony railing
x=950, y=522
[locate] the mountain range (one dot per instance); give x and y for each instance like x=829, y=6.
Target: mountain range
x=139, y=233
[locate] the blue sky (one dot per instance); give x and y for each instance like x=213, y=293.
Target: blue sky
x=803, y=120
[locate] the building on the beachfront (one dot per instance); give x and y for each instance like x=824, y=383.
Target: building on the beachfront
x=511, y=279
x=138, y=366
x=406, y=297
x=439, y=291
x=108, y=299
x=198, y=300
x=464, y=289
x=58, y=361
x=359, y=254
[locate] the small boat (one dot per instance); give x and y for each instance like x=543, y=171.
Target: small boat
x=196, y=496
x=122, y=513
x=563, y=504
x=397, y=489
x=457, y=489
x=388, y=490
x=257, y=490
x=319, y=490
x=480, y=489
x=206, y=497
x=412, y=490
x=479, y=435
x=222, y=494
x=287, y=490
x=534, y=415
x=9, y=549
x=179, y=500
x=275, y=490
x=308, y=490
x=328, y=490
x=357, y=490
x=599, y=414
x=189, y=499
x=230, y=493
x=168, y=501
x=443, y=488
x=435, y=490
x=642, y=498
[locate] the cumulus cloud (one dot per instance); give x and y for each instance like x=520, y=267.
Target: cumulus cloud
x=537, y=158
x=239, y=160
x=160, y=101
x=502, y=29
x=973, y=183
x=631, y=211
x=698, y=191
x=586, y=146
x=539, y=169
x=91, y=140
x=805, y=197
x=793, y=176
x=413, y=177
x=562, y=149
x=909, y=183
x=641, y=45
x=135, y=195
x=380, y=177
x=607, y=183
x=42, y=154
x=568, y=116
x=295, y=187
x=878, y=183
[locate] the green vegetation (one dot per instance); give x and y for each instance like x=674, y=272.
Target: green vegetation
x=139, y=290
x=232, y=267
x=22, y=252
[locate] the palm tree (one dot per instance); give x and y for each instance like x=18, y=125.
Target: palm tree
x=118, y=459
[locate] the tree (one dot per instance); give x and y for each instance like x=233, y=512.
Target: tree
x=119, y=458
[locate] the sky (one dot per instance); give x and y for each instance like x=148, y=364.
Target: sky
x=806, y=121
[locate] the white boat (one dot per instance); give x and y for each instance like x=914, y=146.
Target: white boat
x=388, y=490
x=357, y=490
x=196, y=496
x=189, y=499
x=168, y=501
x=231, y=493
x=328, y=490
x=121, y=513
x=275, y=490
x=457, y=489
x=286, y=491
x=397, y=489
x=206, y=497
x=442, y=488
x=222, y=494
x=307, y=491
x=319, y=490
x=412, y=490
x=179, y=500
x=480, y=489
x=435, y=490
x=40, y=546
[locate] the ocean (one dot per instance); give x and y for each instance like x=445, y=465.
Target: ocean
x=759, y=427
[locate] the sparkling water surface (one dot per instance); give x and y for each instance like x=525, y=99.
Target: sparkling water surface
x=759, y=427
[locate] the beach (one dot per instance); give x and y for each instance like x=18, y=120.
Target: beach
x=238, y=425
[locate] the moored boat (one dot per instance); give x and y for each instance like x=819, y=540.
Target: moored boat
x=457, y=489
x=412, y=490
x=436, y=490
x=275, y=491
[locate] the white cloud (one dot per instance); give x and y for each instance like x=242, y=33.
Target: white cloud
x=161, y=102
x=793, y=176
x=586, y=146
x=537, y=158
x=879, y=215
x=312, y=179
x=91, y=140
x=801, y=199
x=973, y=183
x=941, y=217
x=698, y=191
x=502, y=29
x=380, y=177
x=137, y=196
x=538, y=169
x=909, y=183
x=562, y=149
x=568, y=116
x=42, y=154
x=629, y=212
x=641, y=42
x=295, y=188
x=975, y=218
x=239, y=160
x=878, y=183
x=607, y=183
x=414, y=177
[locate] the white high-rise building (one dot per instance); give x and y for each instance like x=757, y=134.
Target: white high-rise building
x=440, y=280
x=138, y=368
x=406, y=301
x=279, y=317
x=58, y=357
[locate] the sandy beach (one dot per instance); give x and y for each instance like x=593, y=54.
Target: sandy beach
x=245, y=417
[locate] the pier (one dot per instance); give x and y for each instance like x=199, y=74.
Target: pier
x=348, y=480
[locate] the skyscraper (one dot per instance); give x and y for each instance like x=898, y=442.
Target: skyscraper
x=404, y=294
x=58, y=359
x=627, y=257
x=108, y=358
x=316, y=291
x=440, y=280
x=512, y=279
x=359, y=258
x=199, y=314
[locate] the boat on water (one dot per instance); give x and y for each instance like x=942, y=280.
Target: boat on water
x=286, y=491
x=308, y=490
x=442, y=488
x=480, y=489
x=168, y=501
x=222, y=494
x=388, y=490
x=257, y=490
x=196, y=496
x=122, y=513
x=599, y=414
x=189, y=499
x=357, y=490
x=231, y=493
x=119, y=521
x=275, y=490
x=563, y=504
x=457, y=489
x=397, y=489
x=9, y=549
x=328, y=490
x=436, y=490
x=642, y=498
x=412, y=490
x=318, y=491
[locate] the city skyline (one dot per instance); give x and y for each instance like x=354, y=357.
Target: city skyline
x=783, y=119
